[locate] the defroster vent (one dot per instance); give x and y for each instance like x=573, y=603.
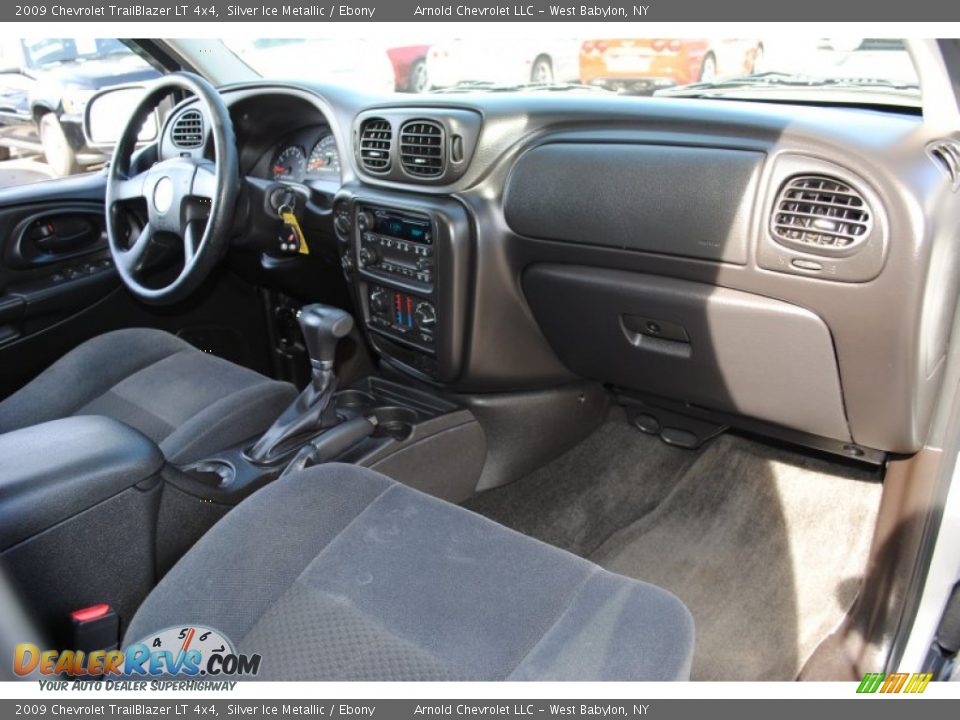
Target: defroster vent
x=820, y=214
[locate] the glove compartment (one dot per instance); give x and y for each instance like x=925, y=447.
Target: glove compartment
x=717, y=348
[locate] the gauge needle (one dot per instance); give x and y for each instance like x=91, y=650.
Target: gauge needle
x=186, y=642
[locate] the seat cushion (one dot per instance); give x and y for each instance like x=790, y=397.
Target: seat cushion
x=191, y=403
x=339, y=573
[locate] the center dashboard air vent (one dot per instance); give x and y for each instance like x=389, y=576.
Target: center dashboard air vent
x=376, y=136
x=946, y=153
x=187, y=131
x=821, y=215
x=422, y=148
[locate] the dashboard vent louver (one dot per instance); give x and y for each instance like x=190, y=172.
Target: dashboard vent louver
x=946, y=153
x=820, y=214
x=375, y=139
x=421, y=148
x=187, y=130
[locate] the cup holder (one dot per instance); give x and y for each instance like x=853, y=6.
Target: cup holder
x=394, y=422
x=354, y=400
x=215, y=473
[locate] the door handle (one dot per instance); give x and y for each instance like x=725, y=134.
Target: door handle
x=55, y=243
x=56, y=235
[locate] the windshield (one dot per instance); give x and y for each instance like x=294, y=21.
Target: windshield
x=849, y=70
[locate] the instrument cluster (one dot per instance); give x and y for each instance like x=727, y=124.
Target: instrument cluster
x=296, y=161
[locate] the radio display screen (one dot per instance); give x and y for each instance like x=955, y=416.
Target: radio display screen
x=405, y=228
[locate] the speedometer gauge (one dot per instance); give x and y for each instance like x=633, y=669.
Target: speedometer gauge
x=289, y=164
x=324, y=156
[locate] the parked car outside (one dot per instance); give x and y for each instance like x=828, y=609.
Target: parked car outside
x=505, y=61
x=410, y=68
x=44, y=87
x=644, y=65
x=360, y=64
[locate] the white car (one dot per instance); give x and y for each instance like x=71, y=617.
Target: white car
x=503, y=60
x=353, y=63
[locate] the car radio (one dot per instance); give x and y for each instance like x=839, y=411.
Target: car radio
x=396, y=244
x=407, y=261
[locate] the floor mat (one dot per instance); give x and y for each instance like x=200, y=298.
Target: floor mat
x=577, y=501
x=765, y=547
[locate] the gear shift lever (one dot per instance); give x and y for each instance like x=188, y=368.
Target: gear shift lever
x=323, y=327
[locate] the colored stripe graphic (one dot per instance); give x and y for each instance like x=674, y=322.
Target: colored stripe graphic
x=918, y=682
x=870, y=683
x=894, y=683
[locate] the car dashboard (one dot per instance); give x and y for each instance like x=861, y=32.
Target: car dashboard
x=792, y=269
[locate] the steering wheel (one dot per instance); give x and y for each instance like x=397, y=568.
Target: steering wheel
x=187, y=200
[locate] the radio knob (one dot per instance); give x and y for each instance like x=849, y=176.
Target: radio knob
x=426, y=315
x=342, y=222
x=378, y=301
x=365, y=220
x=368, y=256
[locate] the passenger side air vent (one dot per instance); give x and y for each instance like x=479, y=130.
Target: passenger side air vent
x=187, y=131
x=375, y=139
x=421, y=148
x=946, y=153
x=820, y=214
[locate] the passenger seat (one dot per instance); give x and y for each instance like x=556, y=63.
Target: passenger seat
x=339, y=573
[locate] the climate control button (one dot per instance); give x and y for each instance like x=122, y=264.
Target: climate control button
x=426, y=315
x=379, y=302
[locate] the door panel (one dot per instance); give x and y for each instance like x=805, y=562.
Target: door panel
x=58, y=287
x=55, y=260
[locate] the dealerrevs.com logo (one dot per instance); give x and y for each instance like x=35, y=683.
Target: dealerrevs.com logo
x=189, y=651
x=890, y=683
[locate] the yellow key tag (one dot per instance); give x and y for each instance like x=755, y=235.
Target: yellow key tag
x=290, y=220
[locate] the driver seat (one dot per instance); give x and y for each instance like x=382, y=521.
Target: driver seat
x=189, y=402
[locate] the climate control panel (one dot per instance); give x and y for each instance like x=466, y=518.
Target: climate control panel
x=403, y=315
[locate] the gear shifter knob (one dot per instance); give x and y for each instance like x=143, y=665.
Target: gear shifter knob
x=323, y=326
x=313, y=410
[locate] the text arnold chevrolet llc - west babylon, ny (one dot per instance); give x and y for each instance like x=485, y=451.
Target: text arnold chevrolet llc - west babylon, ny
x=207, y=10
x=525, y=11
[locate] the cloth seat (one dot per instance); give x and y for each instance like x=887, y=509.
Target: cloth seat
x=339, y=573
x=191, y=403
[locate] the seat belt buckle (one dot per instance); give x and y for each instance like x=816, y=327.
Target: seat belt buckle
x=95, y=628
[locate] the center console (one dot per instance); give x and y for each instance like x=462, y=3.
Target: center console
x=79, y=498
x=396, y=247
x=407, y=258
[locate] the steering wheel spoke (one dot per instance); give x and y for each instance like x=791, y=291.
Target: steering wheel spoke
x=192, y=235
x=132, y=258
x=204, y=185
x=129, y=188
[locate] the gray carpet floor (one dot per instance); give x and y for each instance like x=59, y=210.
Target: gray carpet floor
x=614, y=476
x=765, y=546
